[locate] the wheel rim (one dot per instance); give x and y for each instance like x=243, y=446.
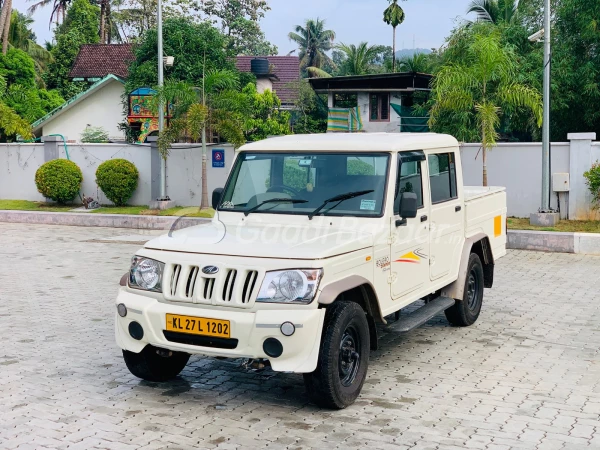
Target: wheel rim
x=349, y=360
x=472, y=290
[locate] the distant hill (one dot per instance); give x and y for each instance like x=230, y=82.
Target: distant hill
x=411, y=51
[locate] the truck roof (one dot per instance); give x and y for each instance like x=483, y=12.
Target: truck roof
x=353, y=142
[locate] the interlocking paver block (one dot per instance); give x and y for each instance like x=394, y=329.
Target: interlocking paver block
x=525, y=376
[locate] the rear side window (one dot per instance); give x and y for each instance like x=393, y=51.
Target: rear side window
x=442, y=177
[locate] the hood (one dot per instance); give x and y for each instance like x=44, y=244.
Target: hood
x=263, y=241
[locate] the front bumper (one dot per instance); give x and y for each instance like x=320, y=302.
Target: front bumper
x=300, y=351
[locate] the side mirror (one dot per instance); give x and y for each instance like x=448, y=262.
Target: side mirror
x=408, y=207
x=216, y=197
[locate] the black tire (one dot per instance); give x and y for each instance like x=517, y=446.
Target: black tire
x=466, y=311
x=343, y=357
x=150, y=365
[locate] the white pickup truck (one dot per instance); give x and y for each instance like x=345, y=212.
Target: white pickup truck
x=316, y=241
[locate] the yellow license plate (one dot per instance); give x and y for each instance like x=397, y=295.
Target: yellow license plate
x=198, y=325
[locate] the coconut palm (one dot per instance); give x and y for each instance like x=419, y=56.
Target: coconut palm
x=313, y=41
x=5, y=16
x=359, y=59
x=59, y=9
x=394, y=16
x=481, y=87
x=21, y=37
x=494, y=11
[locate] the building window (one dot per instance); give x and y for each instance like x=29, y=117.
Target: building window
x=442, y=177
x=345, y=100
x=379, y=108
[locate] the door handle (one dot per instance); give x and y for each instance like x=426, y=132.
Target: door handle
x=458, y=208
x=423, y=218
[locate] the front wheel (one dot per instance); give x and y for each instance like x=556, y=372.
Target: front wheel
x=343, y=357
x=466, y=311
x=153, y=364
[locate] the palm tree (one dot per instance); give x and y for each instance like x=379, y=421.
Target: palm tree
x=417, y=63
x=216, y=104
x=481, y=87
x=313, y=40
x=359, y=59
x=21, y=37
x=5, y=16
x=394, y=16
x=59, y=9
x=494, y=11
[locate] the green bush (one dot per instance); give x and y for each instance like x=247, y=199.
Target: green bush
x=59, y=180
x=118, y=179
x=592, y=177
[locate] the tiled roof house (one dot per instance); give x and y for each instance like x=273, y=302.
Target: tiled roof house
x=286, y=70
x=95, y=61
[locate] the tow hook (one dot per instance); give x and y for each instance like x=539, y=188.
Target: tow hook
x=164, y=353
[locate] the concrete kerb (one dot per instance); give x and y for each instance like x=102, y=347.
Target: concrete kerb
x=551, y=241
x=100, y=220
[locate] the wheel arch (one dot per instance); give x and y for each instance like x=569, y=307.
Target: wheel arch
x=480, y=245
x=359, y=290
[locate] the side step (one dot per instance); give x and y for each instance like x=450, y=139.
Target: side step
x=421, y=315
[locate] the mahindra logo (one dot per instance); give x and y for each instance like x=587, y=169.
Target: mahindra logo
x=210, y=270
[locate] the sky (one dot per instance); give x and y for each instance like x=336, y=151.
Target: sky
x=427, y=23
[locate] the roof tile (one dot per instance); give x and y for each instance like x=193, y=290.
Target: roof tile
x=100, y=60
x=287, y=69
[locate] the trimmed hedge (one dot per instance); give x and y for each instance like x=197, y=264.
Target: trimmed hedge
x=118, y=179
x=59, y=180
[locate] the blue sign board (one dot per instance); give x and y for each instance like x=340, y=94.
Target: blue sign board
x=218, y=157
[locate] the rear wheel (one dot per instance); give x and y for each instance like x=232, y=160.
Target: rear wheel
x=343, y=357
x=153, y=364
x=466, y=311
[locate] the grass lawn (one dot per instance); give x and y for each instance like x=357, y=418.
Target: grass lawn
x=26, y=205
x=578, y=226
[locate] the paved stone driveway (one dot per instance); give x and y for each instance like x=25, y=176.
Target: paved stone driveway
x=527, y=375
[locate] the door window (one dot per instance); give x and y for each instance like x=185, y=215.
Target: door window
x=410, y=180
x=442, y=177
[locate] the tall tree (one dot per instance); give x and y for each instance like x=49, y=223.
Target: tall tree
x=59, y=9
x=239, y=21
x=79, y=27
x=11, y=124
x=494, y=11
x=313, y=41
x=474, y=92
x=5, y=15
x=417, y=63
x=360, y=59
x=394, y=16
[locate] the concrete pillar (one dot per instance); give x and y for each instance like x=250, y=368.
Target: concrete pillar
x=580, y=161
x=154, y=168
x=330, y=100
x=51, y=149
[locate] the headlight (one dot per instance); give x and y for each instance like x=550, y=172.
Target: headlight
x=146, y=274
x=290, y=286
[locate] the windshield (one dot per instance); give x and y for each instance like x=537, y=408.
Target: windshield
x=312, y=178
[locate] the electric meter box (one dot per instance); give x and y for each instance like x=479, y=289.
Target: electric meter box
x=560, y=182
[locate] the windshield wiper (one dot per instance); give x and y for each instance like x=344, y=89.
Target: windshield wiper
x=338, y=198
x=274, y=200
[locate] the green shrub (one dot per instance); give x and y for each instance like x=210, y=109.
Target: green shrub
x=592, y=177
x=94, y=135
x=59, y=180
x=118, y=179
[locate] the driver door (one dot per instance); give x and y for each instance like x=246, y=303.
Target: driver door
x=410, y=242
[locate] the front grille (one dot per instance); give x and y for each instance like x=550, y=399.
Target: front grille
x=228, y=287
x=201, y=341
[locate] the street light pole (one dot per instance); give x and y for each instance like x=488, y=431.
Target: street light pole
x=161, y=106
x=546, y=117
